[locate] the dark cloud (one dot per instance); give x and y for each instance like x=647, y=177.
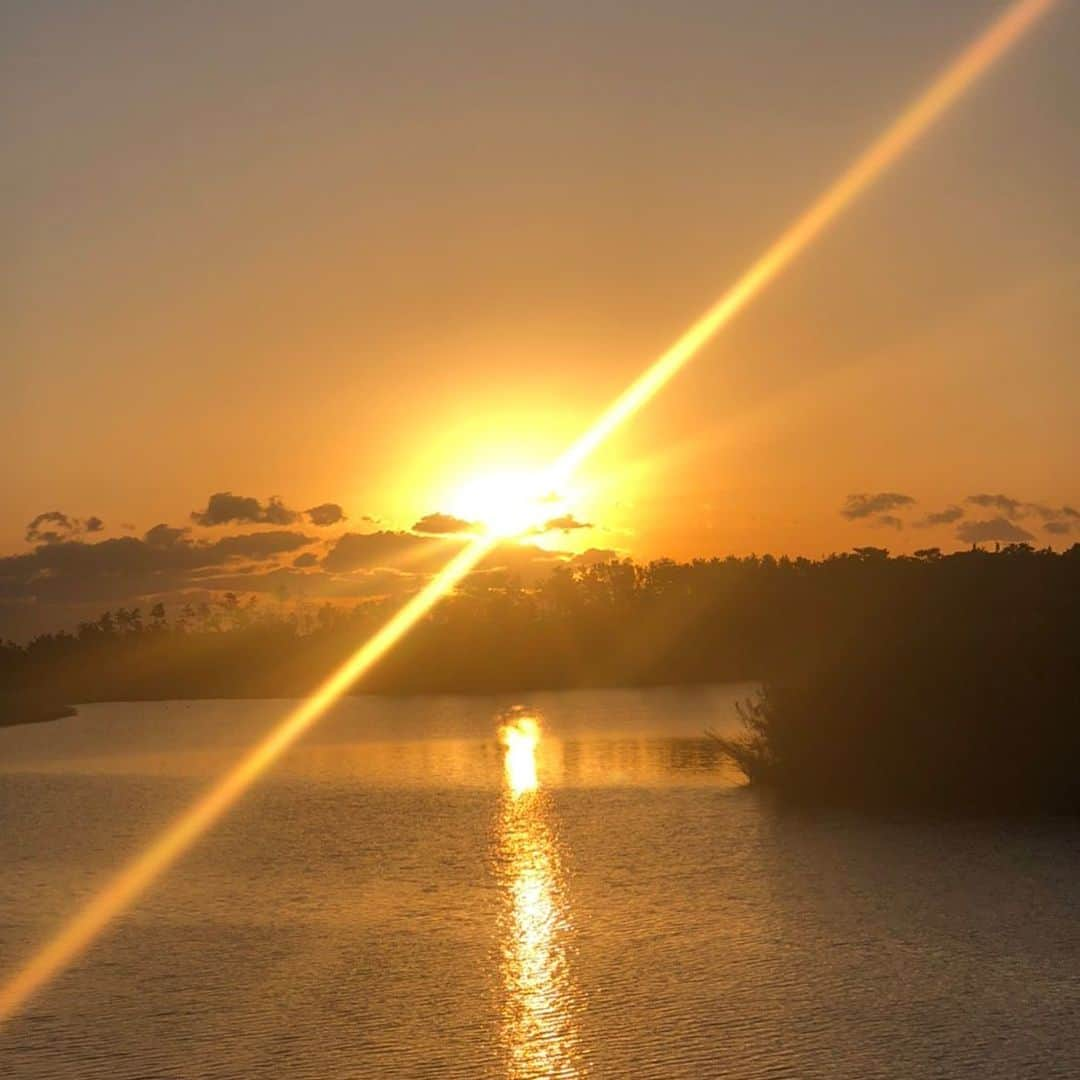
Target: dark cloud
x=889, y=521
x=383, y=549
x=999, y=528
x=1017, y=509
x=110, y=571
x=525, y=560
x=867, y=505
x=941, y=517
x=443, y=524
x=51, y=526
x=287, y=582
x=257, y=546
x=224, y=508
x=164, y=535
x=277, y=513
x=405, y=552
x=563, y=523
x=16, y=574
x=515, y=564
x=58, y=583
x=54, y=526
x=1009, y=507
x=325, y=514
x=38, y=531
x=1052, y=513
x=1058, y=528
x=1045, y=512
x=595, y=557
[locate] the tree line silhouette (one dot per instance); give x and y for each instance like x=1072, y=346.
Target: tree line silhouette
x=949, y=684
x=935, y=678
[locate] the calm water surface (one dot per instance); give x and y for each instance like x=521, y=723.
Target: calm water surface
x=397, y=899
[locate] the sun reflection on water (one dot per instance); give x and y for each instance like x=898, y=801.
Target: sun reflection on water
x=539, y=1026
x=520, y=737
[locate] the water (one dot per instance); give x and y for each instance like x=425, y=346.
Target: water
x=392, y=902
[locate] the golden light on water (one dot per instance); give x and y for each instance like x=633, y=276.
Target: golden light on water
x=519, y=508
x=136, y=877
x=538, y=1016
x=520, y=738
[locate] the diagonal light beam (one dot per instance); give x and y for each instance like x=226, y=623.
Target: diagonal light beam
x=75, y=935
x=912, y=123
x=134, y=878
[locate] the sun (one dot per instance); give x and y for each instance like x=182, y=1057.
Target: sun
x=507, y=502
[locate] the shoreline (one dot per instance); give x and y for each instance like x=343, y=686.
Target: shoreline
x=15, y=713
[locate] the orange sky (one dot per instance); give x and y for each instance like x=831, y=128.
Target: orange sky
x=357, y=253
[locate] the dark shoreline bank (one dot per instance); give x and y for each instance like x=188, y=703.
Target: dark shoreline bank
x=925, y=682
x=18, y=709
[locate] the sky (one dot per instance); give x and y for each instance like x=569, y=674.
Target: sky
x=364, y=255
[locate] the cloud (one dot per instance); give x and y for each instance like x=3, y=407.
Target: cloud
x=1017, y=509
x=383, y=549
x=1052, y=513
x=1009, y=507
x=164, y=535
x=1045, y=512
x=260, y=545
x=889, y=521
x=70, y=575
x=288, y=582
x=866, y=505
x=223, y=508
x=595, y=556
x=1058, y=528
x=325, y=514
x=999, y=528
x=443, y=524
x=513, y=563
x=563, y=523
x=110, y=571
x=54, y=526
x=941, y=517
x=63, y=527
x=522, y=559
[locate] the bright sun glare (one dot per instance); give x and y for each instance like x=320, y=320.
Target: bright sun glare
x=507, y=502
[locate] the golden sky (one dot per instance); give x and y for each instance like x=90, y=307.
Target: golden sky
x=363, y=254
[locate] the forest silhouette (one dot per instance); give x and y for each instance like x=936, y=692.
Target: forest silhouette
x=929, y=680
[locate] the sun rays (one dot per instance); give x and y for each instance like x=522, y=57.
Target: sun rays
x=511, y=504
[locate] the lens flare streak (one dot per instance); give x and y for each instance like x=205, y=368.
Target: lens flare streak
x=133, y=879
x=137, y=876
x=912, y=123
